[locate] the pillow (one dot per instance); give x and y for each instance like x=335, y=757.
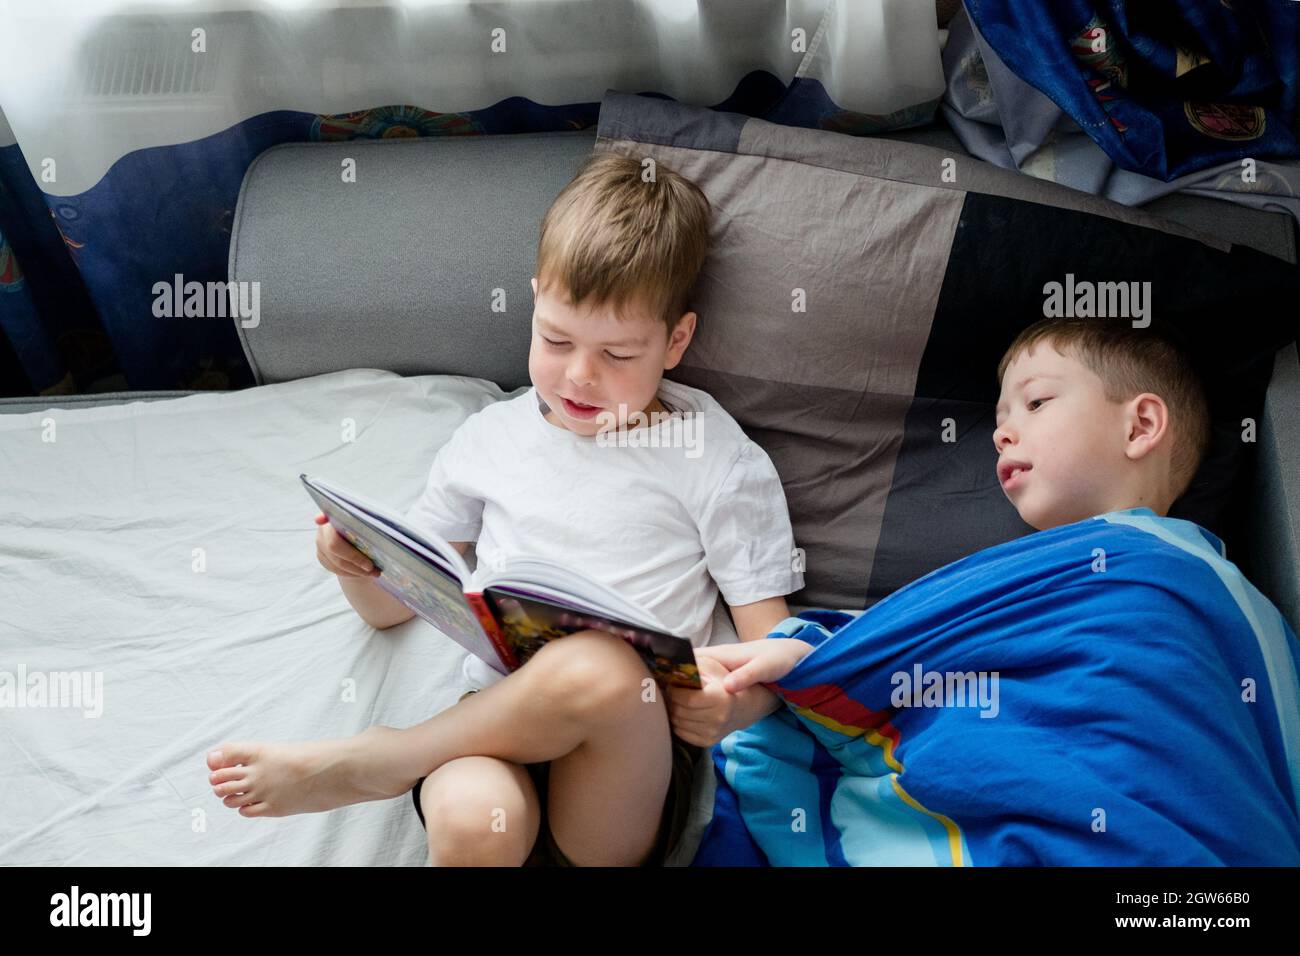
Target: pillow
x=857, y=298
x=411, y=267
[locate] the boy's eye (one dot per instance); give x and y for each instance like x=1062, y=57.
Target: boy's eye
x=1036, y=401
x=620, y=358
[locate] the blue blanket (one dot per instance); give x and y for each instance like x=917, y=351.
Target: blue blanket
x=1110, y=692
x=1164, y=89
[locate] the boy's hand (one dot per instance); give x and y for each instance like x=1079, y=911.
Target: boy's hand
x=728, y=700
x=754, y=662
x=703, y=717
x=337, y=556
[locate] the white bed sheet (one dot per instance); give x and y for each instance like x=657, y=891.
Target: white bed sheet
x=98, y=531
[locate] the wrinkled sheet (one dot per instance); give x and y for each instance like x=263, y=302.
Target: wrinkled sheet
x=169, y=548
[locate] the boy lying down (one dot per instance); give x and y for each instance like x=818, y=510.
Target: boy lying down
x=1145, y=705
x=571, y=759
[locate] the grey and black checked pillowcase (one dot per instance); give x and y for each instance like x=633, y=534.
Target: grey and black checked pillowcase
x=913, y=288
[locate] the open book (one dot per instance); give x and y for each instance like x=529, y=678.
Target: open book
x=502, y=615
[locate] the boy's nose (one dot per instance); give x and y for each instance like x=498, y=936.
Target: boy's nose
x=580, y=373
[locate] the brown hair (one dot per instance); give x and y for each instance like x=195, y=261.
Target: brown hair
x=1130, y=361
x=613, y=237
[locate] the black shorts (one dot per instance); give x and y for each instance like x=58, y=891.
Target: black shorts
x=677, y=806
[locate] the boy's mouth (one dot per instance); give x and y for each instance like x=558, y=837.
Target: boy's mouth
x=577, y=409
x=1010, y=472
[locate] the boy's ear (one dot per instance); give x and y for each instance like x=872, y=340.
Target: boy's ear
x=534, y=287
x=678, y=339
x=1147, y=421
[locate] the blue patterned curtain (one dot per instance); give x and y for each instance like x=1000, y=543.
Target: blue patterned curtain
x=133, y=125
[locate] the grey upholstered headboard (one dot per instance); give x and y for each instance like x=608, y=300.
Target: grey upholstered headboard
x=398, y=270
x=420, y=266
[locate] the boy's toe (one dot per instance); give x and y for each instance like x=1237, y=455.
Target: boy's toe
x=254, y=810
x=229, y=789
x=225, y=775
x=230, y=754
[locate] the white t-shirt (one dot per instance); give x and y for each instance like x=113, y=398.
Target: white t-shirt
x=668, y=527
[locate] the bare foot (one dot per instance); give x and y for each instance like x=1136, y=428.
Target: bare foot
x=276, y=780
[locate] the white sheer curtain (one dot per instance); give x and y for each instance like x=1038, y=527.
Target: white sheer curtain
x=88, y=81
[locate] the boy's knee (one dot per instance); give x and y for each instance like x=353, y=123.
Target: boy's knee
x=469, y=842
x=471, y=823
x=595, y=671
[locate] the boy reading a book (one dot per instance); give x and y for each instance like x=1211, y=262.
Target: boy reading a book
x=577, y=757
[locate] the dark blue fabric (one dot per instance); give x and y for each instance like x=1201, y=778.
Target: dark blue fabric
x=21, y=325
x=45, y=315
x=1115, y=68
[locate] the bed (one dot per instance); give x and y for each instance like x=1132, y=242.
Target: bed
x=160, y=544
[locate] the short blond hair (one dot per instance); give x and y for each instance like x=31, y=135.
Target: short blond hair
x=1129, y=362
x=612, y=237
